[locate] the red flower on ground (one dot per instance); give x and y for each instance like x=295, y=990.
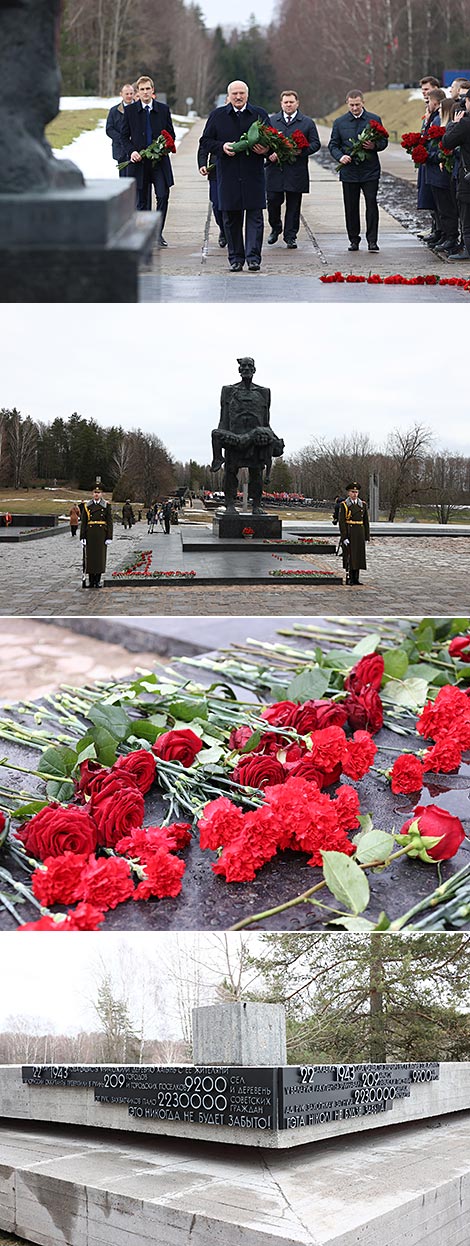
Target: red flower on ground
x=450, y=711
x=445, y=755
x=360, y=753
x=407, y=774
x=368, y=672
x=61, y=880
x=221, y=821
x=107, y=882
x=58, y=829
x=163, y=876
x=347, y=808
x=141, y=765
x=281, y=714
x=142, y=843
x=364, y=710
x=254, y=770
x=116, y=808
x=85, y=917
x=328, y=748
x=460, y=648
x=182, y=746
x=433, y=821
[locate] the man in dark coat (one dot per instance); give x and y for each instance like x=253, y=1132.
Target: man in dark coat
x=96, y=532
x=114, y=125
x=356, y=175
x=458, y=135
x=240, y=177
x=143, y=122
x=355, y=531
x=289, y=181
x=128, y=517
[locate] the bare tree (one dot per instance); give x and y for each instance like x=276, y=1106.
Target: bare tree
x=406, y=450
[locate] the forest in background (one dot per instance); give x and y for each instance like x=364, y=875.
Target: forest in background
x=319, y=47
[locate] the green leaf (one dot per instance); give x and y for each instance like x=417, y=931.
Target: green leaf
x=87, y=754
x=383, y=923
x=424, y=635
x=60, y=789
x=114, y=719
x=459, y=626
x=189, y=708
x=411, y=693
x=366, y=823
x=352, y=923
x=210, y=756
x=231, y=695
x=143, y=730
x=58, y=761
x=105, y=745
x=424, y=670
x=396, y=663
x=374, y=846
x=339, y=657
x=367, y=645
x=346, y=881
x=27, y=811
x=309, y=686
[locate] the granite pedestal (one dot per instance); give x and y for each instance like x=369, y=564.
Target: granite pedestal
x=82, y=244
x=231, y=524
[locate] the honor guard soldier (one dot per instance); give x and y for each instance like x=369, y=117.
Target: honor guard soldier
x=96, y=531
x=355, y=531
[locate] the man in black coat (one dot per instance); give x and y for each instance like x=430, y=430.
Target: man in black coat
x=143, y=122
x=355, y=175
x=458, y=135
x=114, y=125
x=289, y=180
x=240, y=177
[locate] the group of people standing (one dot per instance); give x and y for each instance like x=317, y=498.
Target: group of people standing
x=442, y=191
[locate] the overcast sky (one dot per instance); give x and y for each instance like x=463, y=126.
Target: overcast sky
x=160, y=367
x=219, y=12
x=54, y=981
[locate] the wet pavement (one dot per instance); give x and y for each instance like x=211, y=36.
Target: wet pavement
x=406, y=576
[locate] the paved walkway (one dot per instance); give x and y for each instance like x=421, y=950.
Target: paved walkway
x=405, y=576
x=194, y=268
x=36, y=657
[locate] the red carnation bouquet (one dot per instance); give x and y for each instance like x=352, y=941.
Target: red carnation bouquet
x=159, y=148
x=371, y=133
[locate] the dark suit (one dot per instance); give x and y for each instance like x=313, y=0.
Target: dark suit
x=458, y=135
x=114, y=132
x=290, y=180
x=160, y=175
x=358, y=176
x=240, y=181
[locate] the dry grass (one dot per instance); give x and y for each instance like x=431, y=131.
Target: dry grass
x=41, y=502
x=69, y=124
x=399, y=113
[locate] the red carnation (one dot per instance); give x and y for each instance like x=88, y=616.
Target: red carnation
x=58, y=829
x=141, y=765
x=142, y=843
x=182, y=746
x=347, y=808
x=433, y=821
x=328, y=748
x=360, y=753
x=460, y=648
x=163, y=874
x=220, y=822
x=107, y=882
x=60, y=882
x=407, y=774
x=445, y=755
x=85, y=917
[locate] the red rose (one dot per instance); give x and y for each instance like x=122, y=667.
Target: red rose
x=2, y=822
x=239, y=737
x=181, y=746
x=360, y=753
x=116, y=808
x=367, y=673
x=330, y=714
x=364, y=710
x=419, y=154
x=141, y=765
x=61, y=881
x=433, y=821
x=163, y=874
x=107, y=882
x=407, y=774
x=254, y=770
x=460, y=648
x=305, y=769
x=58, y=829
x=281, y=714
x=88, y=771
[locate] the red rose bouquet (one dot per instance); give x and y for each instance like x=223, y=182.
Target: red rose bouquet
x=371, y=133
x=410, y=140
x=156, y=150
x=286, y=149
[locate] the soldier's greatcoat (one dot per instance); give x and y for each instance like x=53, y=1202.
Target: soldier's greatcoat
x=96, y=528
x=354, y=527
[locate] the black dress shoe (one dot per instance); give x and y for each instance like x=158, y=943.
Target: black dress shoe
x=459, y=255
x=236, y=267
x=162, y=242
x=254, y=266
x=222, y=240
x=353, y=246
x=373, y=246
x=291, y=244
x=273, y=237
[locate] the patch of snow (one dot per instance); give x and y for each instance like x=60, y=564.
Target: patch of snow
x=92, y=152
